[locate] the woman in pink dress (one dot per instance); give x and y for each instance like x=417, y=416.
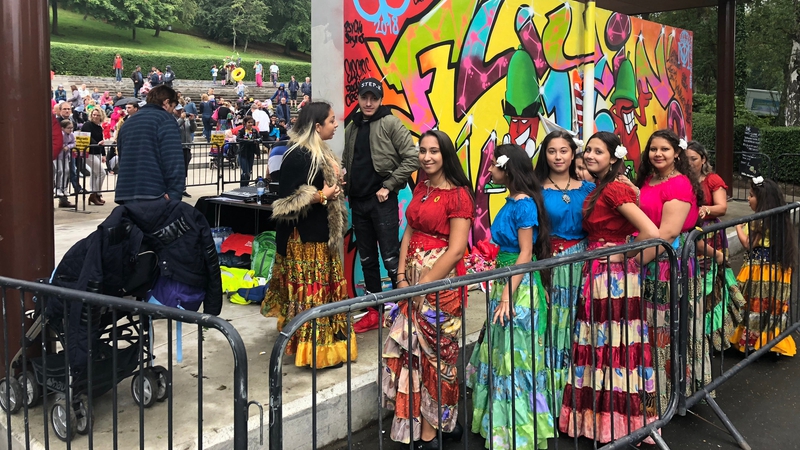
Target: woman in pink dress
x=670, y=195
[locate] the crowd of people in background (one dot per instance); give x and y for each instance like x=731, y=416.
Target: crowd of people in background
x=102, y=114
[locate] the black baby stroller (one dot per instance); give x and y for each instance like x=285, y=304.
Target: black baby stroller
x=91, y=347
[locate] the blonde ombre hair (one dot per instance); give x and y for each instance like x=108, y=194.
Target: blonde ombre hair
x=304, y=135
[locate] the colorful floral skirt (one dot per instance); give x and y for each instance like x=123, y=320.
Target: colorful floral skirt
x=530, y=413
x=658, y=316
x=611, y=389
x=723, y=300
x=767, y=291
x=310, y=275
x=413, y=364
x=566, y=284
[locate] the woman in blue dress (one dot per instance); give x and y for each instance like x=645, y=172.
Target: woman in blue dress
x=564, y=194
x=516, y=399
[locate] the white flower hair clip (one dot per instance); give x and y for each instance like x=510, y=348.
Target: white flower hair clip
x=758, y=181
x=683, y=144
x=501, y=162
x=620, y=152
x=579, y=143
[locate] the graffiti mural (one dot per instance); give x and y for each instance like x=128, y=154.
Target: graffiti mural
x=497, y=71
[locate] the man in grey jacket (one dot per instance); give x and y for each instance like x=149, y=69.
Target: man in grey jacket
x=379, y=157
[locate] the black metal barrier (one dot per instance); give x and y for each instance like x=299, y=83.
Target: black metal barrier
x=59, y=380
x=633, y=310
x=756, y=311
x=233, y=163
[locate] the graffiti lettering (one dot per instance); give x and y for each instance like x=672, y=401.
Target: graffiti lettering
x=354, y=71
x=353, y=33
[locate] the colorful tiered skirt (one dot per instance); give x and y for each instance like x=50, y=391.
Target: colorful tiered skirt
x=723, y=300
x=659, y=318
x=767, y=291
x=414, y=364
x=489, y=373
x=309, y=275
x=566, y=282
x=611, y=387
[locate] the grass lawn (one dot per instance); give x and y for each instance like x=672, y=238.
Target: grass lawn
x=74, y=30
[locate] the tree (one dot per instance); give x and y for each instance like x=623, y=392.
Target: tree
x=774, y=28
x=290, y=22
x=54, y=24
x=249, y=18
x=164, y=14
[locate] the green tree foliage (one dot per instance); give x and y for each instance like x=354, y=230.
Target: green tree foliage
x=290, y=21
x=248, y=18
x=131, y=14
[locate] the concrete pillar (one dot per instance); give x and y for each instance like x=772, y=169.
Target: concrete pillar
x=26, y=163
x=327, y=61
x=726, y=17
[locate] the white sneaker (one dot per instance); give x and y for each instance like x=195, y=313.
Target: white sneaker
x=60, y=193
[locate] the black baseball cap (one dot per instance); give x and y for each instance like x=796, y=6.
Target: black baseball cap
x=370, y=85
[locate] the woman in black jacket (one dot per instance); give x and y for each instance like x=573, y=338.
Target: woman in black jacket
x=96, y=154
x=249, y=140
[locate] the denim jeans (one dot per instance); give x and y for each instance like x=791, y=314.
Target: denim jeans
x=207, y=128
x=377, y=225
x=246, y=159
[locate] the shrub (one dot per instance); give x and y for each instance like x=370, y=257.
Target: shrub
x=83, y=60
x=775, y=142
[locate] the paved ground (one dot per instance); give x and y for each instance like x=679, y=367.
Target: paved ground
x=762, y=401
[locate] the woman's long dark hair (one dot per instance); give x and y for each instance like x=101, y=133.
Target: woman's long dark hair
x=520, y=178
x=782, y=242
x=681, y=163
x=451, y=166
x=611, y=141
x=542, y=168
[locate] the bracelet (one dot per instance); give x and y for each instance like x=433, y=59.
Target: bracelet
x=402, y=281
x=401, y=273
x=322, y=198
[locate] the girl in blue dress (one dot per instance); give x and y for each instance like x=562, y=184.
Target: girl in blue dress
x=521, y=229
x=564, y=194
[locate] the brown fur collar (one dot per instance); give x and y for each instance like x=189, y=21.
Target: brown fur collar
x=295, y=207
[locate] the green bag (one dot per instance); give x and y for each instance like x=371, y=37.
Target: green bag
x=263, y=254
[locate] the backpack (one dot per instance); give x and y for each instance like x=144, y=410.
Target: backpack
x=263, y=256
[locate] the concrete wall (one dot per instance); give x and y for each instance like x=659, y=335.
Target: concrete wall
x=327, y=55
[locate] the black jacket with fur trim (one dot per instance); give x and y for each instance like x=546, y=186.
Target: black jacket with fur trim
x=293, y=209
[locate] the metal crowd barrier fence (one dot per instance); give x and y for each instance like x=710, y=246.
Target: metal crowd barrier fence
x=202, y=170
x=233, y=161
x=741, y=184
x=61, y=381
x=611, y=330
x=755, y=311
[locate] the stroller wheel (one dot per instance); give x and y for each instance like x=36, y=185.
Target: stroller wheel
x=30, y=387
x=148, y=388
x=63, y=420
x=82, y=417
x=162, y=380
x=11, y=396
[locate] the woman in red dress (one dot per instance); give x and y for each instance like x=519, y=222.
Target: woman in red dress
x=439, y=218
x=611, y=385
